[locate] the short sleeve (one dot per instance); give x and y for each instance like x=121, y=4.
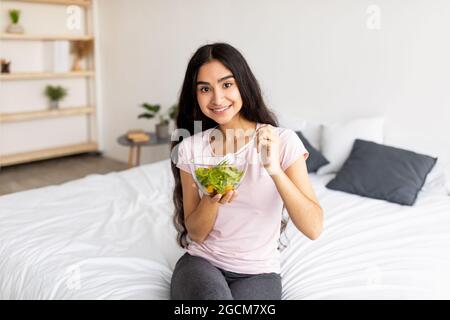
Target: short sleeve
x=292, y=148
x=183, y=159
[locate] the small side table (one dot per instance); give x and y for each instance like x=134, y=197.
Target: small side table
x=124, y=141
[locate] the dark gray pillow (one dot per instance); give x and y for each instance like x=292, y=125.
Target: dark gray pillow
x=315, y=159
x=383, y=172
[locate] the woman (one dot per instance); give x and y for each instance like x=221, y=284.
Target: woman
x=231, y=242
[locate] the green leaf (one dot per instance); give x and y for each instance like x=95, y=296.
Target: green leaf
x=55, y=93
x=173, y=112
x=154, y=108
x=146, y=116
x=14, y=14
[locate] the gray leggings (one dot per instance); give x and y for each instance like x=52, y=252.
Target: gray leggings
x=195, y=278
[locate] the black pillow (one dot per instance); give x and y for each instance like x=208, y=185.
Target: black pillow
x=315, y=159
x=383, y=172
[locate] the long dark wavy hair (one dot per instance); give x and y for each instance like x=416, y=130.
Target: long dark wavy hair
x=253, y=109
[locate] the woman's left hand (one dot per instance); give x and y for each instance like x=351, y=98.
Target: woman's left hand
x=268, y=146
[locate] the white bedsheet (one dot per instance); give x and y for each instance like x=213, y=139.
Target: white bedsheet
x=111, y=237
x=371, y=249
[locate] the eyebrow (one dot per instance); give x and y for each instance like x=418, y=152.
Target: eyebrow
x=221, y=79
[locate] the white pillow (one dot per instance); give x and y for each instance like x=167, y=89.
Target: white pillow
x=436, y=180
x=447, y=183
x=310, y=129
x=337, y=139
x=446, y=169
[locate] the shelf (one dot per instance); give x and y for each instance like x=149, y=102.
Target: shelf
x=32, y=115
x=84, y=3
x=47, y=153
x=43, y=37
x=25, y=155
x=45, y=75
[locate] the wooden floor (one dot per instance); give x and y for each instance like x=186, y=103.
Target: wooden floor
x=55, y=171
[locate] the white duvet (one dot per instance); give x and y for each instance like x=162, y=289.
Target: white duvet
x=111, y=237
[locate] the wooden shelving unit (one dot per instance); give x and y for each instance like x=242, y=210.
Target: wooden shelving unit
x=24, y=157
x=33, y=115
x=84, y=3
x=45, y=75
x=43, y=37
x=89, y=111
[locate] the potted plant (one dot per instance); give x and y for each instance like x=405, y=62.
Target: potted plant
x=162, y=128
x=14, y=26
x=55, y=94
x=5, y=65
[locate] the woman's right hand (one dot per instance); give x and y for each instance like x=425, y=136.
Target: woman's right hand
x=222, y=199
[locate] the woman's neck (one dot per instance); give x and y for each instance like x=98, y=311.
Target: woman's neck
x=232, y=136
x=237, y=128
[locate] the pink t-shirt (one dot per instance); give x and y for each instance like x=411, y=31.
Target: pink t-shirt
x=245, y=235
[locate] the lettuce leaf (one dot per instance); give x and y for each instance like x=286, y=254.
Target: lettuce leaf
x=220, y=178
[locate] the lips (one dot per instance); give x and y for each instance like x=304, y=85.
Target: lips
x=221, y=109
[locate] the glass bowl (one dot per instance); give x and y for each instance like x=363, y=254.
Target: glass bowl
x=215, y=175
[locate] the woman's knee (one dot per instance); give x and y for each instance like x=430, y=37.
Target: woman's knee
x=259, y=287
x=194, y=278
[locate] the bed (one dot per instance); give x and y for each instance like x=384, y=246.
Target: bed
x=111, y=237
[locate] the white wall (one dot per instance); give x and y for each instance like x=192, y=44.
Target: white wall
x=315, y=59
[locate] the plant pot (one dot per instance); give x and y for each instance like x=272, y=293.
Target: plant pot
x=54, y=105
x=162, y=131
x=5, y=67
x=14, y=28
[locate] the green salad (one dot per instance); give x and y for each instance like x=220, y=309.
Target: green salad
x=220, y=178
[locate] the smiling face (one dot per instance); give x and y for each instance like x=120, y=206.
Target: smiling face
x=217, y=92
